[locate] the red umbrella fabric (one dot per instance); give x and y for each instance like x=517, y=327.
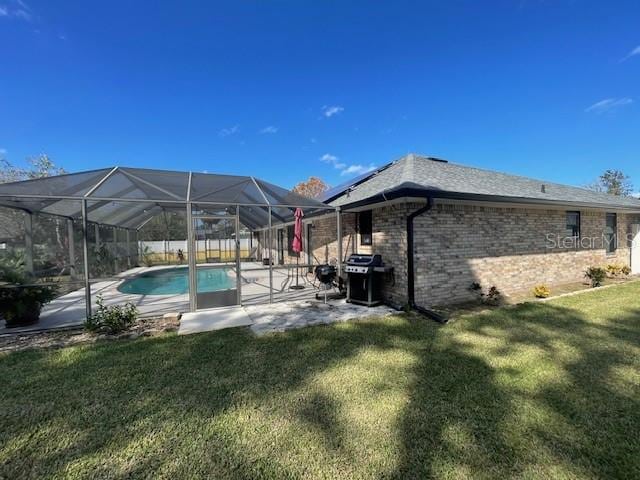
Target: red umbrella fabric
x=296, y=245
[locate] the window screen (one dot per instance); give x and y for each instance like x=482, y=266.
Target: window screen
x=365, y=227
x=610, y=233
x=290, y=236
x=573, y=223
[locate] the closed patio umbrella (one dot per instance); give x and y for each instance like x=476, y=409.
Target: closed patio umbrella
x=296, y=244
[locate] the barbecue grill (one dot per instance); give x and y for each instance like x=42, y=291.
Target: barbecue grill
x=364, y=285
x=326, y=275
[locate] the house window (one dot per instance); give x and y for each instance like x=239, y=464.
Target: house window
x=610, y=233
x=573, y=224
x=365, y=227
x=309, y=246
x=280, y=246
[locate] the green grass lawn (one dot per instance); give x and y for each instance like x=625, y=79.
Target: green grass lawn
x=535, y=391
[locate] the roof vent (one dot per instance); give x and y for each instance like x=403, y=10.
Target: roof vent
x=543, y=188
x=434, y=159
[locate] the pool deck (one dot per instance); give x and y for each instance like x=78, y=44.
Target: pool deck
x=69, y=311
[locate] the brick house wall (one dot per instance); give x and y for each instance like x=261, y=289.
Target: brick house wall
x=458, y=244
x=510, y=248
x=324, y=245
x=388, y=239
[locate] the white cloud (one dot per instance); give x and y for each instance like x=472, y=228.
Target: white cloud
x=20, y=13
x=269, y=129
x=343, y=167
x=357, y=169
x=632, y=53
x=225, y=132
x=16, y=9
x=609, y=104
x=3, y=153
x=332, y=160
x=331, y=110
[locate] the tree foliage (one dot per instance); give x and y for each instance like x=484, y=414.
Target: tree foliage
x=614, y=182
x=38, y=167
x=50, y=248
x=166, y=226
x=312, y=188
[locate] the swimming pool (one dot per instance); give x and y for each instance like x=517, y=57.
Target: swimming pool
x=175, y=281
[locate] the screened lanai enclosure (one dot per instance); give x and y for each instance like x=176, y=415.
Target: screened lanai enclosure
x=167, y=241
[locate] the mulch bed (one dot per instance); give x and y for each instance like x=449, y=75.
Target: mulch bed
x=144, y=327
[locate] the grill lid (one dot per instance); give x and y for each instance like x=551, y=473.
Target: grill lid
x=364, y=260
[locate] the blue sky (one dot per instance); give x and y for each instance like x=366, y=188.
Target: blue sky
x=287, y=89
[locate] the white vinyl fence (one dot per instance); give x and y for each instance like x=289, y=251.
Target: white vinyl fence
x=166, y=251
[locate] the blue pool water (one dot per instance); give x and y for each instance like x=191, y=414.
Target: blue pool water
x=175, y=281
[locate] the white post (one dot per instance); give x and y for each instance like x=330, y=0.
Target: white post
x=192, y=261
x=28, y=242
x=115, y=250
x=339, y=233
x=238, y=273
x=72, y=249
x=270, y=259
x=166, y=253
x=128, y=248
x=85, y=260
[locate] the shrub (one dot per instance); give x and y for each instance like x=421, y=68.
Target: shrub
x=613, y=269
x=101, y=260
x=147, y=256
x=111, y=319
x=541, y=291
x=596, y=275
x=21, y=300
x=476, y=288
x=618, y=270
x=493, y=296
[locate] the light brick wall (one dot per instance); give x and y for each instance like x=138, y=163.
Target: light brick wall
x=324, y=245
x=389, y=240
x=457, y=245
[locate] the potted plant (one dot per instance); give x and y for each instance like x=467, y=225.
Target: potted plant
x=20, y=299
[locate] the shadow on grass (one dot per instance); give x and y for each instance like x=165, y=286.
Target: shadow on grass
x=228, y=405
x=589, y=411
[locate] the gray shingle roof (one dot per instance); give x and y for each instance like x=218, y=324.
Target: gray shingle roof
x=418, y=175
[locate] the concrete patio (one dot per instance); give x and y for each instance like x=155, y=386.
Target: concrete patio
x=69, y=311
x=278, y=317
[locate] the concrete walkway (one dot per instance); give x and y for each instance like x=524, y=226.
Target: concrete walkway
x=277, y=317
